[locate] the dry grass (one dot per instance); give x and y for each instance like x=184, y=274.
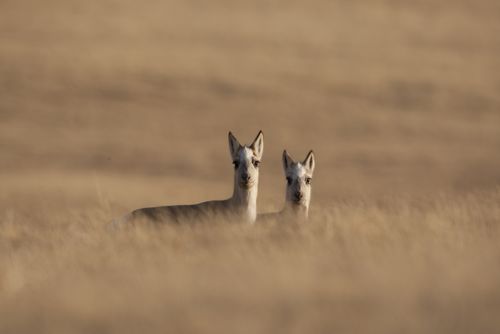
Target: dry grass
x=387, y=267
x=112, y=105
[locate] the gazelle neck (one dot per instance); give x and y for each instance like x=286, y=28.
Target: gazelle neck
x=296, y=211
x=245, y=201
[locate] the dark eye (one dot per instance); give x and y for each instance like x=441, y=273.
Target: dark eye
x=236, y=164
x=289, y=180
x=256, y=163
x=308, y=180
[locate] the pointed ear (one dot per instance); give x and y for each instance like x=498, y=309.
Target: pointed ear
x=309, y=161
x=258, y=145
x=234, y=145
x=287, y=160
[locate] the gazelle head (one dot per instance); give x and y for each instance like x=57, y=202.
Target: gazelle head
x=246, y=160
x=298, y=181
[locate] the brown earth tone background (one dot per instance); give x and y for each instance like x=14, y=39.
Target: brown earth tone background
x=106, y=106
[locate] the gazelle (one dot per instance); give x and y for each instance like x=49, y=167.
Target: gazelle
x=241, y=206
x=298, y=188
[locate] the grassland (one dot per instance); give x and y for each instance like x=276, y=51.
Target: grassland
x=112, y=105
x=391, y=266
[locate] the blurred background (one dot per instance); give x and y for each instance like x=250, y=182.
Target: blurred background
x=129, y=103
x=111, y=105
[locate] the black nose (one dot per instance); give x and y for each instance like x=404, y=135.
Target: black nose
x=298, y=195
x=245, y=177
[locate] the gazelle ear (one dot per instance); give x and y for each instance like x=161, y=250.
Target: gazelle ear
x=287, y=160
x=309, y=161
x=234, y=145
x=258, y=145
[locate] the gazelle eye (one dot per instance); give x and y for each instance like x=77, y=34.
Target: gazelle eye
x=308, y=180
x=256, y=163
x=236, y=164
x=289, y=180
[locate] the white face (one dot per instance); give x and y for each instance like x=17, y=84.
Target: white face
x=246, y=160
x=298, y=179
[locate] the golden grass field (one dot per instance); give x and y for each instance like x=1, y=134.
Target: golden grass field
x=107, y=106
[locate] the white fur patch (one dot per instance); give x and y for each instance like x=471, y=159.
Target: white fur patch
x=298, y=170
x=246, y=154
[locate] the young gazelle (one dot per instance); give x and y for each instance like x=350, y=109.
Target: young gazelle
x=241, y=206
x=298, y=188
